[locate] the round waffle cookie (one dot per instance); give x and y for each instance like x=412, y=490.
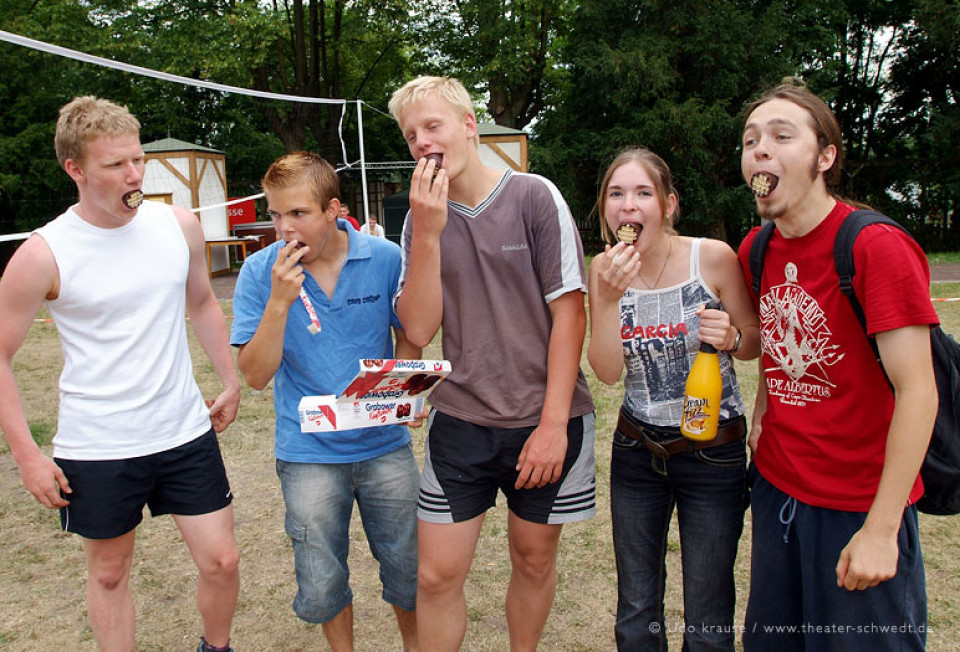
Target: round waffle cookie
x=132, y=199
x=627, y=233
x=762, y=184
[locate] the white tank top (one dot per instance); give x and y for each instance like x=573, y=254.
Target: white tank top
x=127, y=387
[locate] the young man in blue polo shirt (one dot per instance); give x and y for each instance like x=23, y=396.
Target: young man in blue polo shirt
x=306, y=309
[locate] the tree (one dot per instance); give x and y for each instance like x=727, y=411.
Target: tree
x=673, y=76
x=850, y=71
x=334, y=49
x=33, y=87
x=505, y=49
x=926, y=83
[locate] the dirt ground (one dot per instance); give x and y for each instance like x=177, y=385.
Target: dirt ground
x=42, y=570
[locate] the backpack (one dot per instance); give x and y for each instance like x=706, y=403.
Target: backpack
x=941, y=465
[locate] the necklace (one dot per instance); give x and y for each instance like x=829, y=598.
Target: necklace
x=662, y=268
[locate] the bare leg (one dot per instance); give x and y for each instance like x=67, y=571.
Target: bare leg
x=407, y=622
x=339, y=631
x=109, y=603
x=446, y=551
x=214, y=549
x=533, y=580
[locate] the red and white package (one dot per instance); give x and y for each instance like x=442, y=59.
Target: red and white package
x=384, y=392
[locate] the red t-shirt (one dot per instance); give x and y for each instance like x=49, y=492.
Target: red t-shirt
x=829, y=405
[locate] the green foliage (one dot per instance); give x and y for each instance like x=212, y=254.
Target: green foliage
x=926, y=83
x=673, y=77
x=33, y=86
x=505, y=49
x=952, y=257
x=587, y=78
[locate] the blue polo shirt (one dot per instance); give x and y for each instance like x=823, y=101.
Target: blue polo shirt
x=355, y=324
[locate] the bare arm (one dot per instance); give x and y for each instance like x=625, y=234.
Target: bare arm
x=209, y=323
x=420, y=305
x=541, y=460
x=30, y=277
x=405, y=349
x=871, y=555
x=260, y=358
x=721, y=271
x=610, y=275
x=759, y=409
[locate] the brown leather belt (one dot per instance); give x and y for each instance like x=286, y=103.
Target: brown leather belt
x=726, y=434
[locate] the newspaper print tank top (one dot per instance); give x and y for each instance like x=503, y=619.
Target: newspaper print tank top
x=659, y=331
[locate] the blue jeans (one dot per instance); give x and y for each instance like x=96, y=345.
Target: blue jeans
x=795, y=603
x=708, y=488
x=319, y=500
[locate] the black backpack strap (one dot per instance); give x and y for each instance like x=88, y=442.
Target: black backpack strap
x=843, y=260
x=843, y=253
x=758, y=250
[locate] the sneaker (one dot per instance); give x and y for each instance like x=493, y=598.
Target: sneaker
x=206, y=647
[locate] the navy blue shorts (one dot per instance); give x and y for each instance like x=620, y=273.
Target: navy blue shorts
x=795, y=603
x=109, y=495
x=465, y=464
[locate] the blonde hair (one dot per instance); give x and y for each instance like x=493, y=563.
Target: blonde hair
x=446, y=88
x=83, y=119
x=659, y=173
x=304, y=167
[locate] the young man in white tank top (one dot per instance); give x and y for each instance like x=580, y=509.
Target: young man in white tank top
x=117, y=278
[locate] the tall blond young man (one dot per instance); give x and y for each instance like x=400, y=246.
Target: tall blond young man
x=495, y=258
x=306, y=310
x=117, y=277
x=836, y=561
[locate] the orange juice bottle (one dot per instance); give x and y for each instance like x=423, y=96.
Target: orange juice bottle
x=701, y=396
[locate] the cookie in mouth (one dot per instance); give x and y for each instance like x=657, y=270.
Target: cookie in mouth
x=628, y=233
x=763, y=183
x=132, y=199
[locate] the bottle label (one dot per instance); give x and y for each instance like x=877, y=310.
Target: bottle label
x=696, y=416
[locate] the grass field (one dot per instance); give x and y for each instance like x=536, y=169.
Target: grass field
x=42, y=571
x=952, y=257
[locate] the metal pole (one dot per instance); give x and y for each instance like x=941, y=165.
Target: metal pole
x=363, y=162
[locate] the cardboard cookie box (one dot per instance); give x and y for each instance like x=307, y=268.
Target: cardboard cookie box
x=383, y=392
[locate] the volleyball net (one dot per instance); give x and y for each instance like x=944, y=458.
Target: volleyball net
x=356, y=163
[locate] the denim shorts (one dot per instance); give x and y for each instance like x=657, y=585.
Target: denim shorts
x=319, y=500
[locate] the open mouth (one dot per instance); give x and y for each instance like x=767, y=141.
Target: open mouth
x=132, y=199
x=628, y=233
x=437, y=159
x=763, y=183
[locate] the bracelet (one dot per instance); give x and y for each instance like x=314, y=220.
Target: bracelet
x=738, y=342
